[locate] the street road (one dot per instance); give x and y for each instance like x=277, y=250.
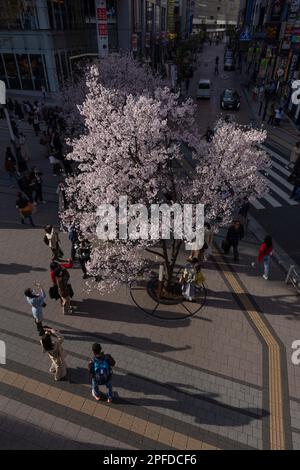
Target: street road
x=276, y=213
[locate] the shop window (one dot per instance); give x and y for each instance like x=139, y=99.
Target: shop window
x=64, y=65
x=38, y=73
x=58, y=68
x=18, y=14
x=12, y=71
x=24, y=70
x=2, y=71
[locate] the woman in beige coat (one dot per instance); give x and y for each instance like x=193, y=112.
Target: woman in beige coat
x=55, y=352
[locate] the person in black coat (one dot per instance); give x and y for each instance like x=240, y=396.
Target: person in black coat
x=234, y=235
x=295, y=177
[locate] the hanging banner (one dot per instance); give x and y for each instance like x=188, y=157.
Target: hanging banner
x=171, y=21
x=102, y=31
x=147, y=40
x=134, y=42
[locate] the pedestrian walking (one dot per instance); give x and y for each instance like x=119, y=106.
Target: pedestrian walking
x=10, y=166
x=235, y=233
x=254, y=93
x=264, y=252
x=216, y=69
x=192, y=281
x=187, y=84
x=243, y=212
x=23, y=147
x=73, y=237
x=43, y=90
x=25, y=208
x=21, y=162
x=55, y=352
x=271, y=115
x=25, y=185
x=36, y=124
x=67, y=165
x=278, y=116
x=18, y=111
x=51, y=239
x=15, y=128
x=295, y=154
x=60, y=278
x=36, y=178
x=208, y=240
x=62, y=201
x=36, y=299
x=83, y=249
x=100, y=369
x=294, y=178
x=55, y=163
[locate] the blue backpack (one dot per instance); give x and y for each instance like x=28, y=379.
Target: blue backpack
x=102, y=371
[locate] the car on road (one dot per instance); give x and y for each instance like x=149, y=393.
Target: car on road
x=204, y=88
x=229, y=63
x=230, y=99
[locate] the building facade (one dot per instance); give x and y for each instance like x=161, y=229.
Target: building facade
x=215, y=15
x=270, y=35
x=40, y=40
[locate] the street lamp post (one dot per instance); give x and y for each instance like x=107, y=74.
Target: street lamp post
x=3, y=105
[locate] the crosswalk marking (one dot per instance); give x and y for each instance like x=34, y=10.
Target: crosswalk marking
x=272, y=201
x=280, y=168
x=283, y=181
x=280, y=176
x=255, y=203
x=281, y=193
x=275, y=155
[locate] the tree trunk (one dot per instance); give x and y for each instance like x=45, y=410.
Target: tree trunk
x=170, y=260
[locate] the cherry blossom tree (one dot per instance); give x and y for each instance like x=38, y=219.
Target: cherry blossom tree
x=134, y=144
x=119, y=73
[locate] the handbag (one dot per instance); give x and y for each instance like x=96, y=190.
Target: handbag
x=70, y=290
x=53, y=292
x=291, y=178
x=26, y=211
x=225, y=245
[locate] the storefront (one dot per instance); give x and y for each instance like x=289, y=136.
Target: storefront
x=23, y=71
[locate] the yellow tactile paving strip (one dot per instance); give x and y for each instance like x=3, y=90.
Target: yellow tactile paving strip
x=106, y=413
x=277, y=436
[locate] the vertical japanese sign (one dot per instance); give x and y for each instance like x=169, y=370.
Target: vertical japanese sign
x=134, y=42
x=102, y=31
x=171, y=19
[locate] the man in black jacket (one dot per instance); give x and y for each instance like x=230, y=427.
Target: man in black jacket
x=295, y=177
x=234, y=235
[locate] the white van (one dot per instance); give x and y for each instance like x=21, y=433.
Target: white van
x=204, y=88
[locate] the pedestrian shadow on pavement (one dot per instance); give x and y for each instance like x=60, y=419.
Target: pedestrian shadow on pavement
x=78, y=375
x=274, y=305
x=204, y=407
x=21, y=435
x=142, y=344
x=104, y=310
x=14, y=268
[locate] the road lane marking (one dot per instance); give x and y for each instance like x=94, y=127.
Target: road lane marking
x=276, y=420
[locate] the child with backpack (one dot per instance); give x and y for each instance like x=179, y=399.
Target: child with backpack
x=100, y=369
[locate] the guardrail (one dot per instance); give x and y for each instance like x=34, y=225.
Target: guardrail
x=293, y=277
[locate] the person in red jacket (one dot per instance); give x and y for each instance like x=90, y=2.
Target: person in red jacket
x=264, y=253
x=60, y=277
